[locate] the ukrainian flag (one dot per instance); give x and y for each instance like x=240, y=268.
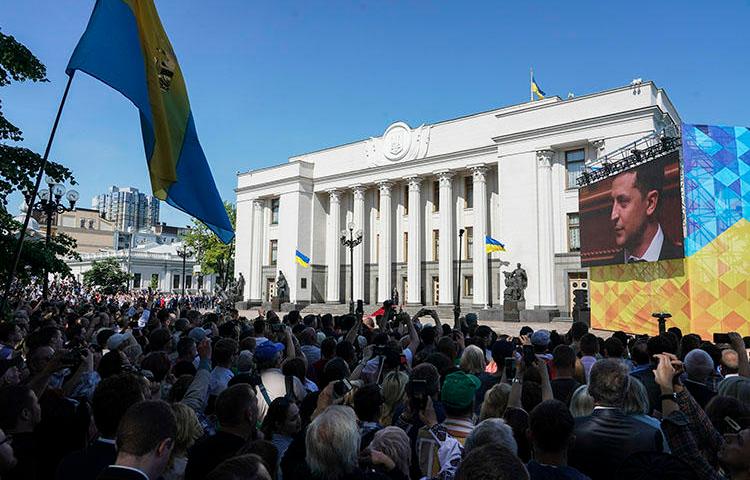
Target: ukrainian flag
x=536, y=90
x=302, y=259
x=125, y=47
x=492, y=245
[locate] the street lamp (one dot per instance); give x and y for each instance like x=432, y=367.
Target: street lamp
x=49, y=204
x=183, y=253
x=457, y=300
x=350, y=240
x=131, y=234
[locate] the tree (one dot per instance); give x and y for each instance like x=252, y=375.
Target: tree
x=107, y=274
x=213, y=255
x=18, y=170
x=154, y=284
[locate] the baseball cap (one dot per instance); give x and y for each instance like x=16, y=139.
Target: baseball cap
x=459, y=389
x=268, y=350
x=540, y=338
x=118, y=339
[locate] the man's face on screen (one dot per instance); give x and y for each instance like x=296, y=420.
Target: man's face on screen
x=630, y=211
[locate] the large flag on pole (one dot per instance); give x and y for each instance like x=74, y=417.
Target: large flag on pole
x=125, y=47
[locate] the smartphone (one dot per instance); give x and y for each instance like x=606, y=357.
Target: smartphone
x=721, y=338
x=341, y=388
x=510, y=368
x=418, y=395
x=528, y=355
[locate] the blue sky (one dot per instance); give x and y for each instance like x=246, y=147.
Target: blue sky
x=268, y=80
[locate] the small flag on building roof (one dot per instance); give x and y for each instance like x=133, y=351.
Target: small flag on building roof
x=492, y=245
x=302, y=259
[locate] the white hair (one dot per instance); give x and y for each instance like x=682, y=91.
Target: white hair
x=332, y=443
x=492, y=431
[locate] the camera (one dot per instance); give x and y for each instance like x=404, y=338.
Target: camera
x=341, y=388
x=74, y=356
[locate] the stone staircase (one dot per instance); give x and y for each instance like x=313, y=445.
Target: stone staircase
x=445, y=312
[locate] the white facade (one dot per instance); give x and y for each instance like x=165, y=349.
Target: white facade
x=152, y=260
x=501, y=173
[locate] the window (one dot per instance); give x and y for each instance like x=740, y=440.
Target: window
x=303, y=283
x=175, y=281
x=574, y=233
x=406, y=246
x=274, y=211
x=406, y=199
x=377, y=204
x=188, y=281
x=435, y=244
x=83, y=223
x=469, y=192
x=200, y=282
x=136, y=280
x=575, y=160
x=154, y=281
x=273, y=252
x=435, y=196
x=469, y=243
x=468, y=285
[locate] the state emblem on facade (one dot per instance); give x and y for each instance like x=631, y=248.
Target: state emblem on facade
x=398, y=143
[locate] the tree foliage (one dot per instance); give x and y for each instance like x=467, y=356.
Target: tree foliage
x=18, y=169
x=213, y=255
x=106, y=274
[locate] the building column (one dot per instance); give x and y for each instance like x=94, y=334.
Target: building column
x=414, y=251
x=384, y=260
x=445, y=248
x=479, y=269
x=333, y=249
x=358, y=216
x=546, y=237
x=256, y=255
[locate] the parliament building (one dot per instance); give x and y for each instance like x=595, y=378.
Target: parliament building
x=508, y=173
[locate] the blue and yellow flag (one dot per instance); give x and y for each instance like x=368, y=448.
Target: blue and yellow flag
x=536, y=90
x=301, y=258
x=125, y=47
x=492, y=245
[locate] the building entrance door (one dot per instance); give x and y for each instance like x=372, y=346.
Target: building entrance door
x=404, y=289
x=435, y=290
x=270, y=288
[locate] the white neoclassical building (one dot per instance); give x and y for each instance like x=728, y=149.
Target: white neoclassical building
x=508, y=173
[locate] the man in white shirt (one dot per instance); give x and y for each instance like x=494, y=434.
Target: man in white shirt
x=635, y=215
x=274, y=384
x=224, y=355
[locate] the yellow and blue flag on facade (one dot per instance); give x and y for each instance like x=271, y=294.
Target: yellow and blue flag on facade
x=536, y=90
x=492, y=245
x=302, y=259
x=125, y=47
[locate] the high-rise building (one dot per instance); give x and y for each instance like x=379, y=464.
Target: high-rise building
x=127, y=207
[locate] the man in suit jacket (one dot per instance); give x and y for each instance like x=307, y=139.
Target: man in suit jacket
x=145, y=439
x=608, y=436
x=112, y=397
x=636, y=196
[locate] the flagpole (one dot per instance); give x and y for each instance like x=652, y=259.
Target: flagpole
x=531, y=84
x=31, y=197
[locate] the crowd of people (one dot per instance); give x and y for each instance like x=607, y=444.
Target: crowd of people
x=134, y=386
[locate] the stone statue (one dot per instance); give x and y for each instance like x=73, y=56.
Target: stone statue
x=394, y=296
x=241, y=288
x=522, y=281
x=515, y=284
x=282, y=288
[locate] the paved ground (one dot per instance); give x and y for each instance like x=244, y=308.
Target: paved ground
x=506, y=328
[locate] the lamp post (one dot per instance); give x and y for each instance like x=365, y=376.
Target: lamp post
x=183, y=253
x=48, y=203
x=457, y=300
x=350, y=240
x=131, y=234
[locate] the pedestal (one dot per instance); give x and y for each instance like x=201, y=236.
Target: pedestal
x=276, y=304
x=512, y=309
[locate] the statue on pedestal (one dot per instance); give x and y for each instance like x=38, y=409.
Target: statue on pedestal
x=282, y=288
x=241, y=288
x=515, y=284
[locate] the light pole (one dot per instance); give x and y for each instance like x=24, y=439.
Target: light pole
x=49, y=204
x=350, y=240
x=131, y=234
x=183, y=253
x=457, y=300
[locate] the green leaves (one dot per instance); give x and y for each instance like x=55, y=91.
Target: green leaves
x=213, y=255
x=18, y=63
x=107, y=275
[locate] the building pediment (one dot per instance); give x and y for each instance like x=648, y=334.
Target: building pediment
x=399, y=143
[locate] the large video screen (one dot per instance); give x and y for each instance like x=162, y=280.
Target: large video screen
x=634, y=216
